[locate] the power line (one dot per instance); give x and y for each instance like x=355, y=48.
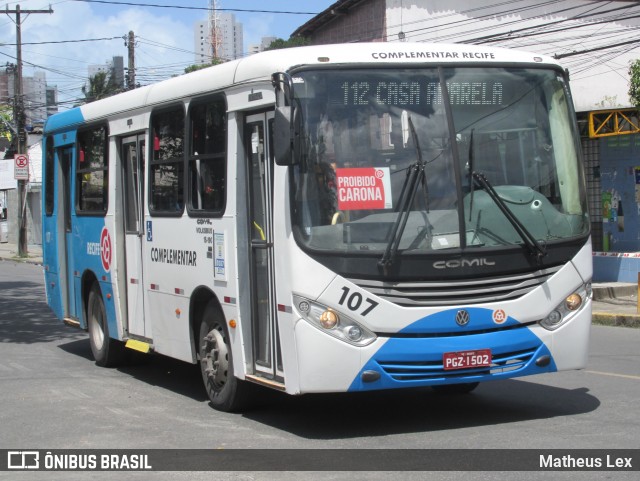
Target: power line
x=543, y=29
x=67, y=41
x=183, y=7
x=480, y=19
x=596, y=49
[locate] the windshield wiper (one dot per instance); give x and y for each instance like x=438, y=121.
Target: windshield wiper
x=535, y=247
x=470, y=170
x=415, y=176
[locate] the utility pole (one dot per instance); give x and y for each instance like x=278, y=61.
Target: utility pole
x=19, y=118
x=131, y=71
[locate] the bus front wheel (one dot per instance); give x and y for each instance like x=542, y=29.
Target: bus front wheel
x=225, y=391
x=106, y=351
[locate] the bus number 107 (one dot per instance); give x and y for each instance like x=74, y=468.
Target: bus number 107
x=355, y=300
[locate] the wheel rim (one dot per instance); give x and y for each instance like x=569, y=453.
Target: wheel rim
x=215, y=359
x=95, y=321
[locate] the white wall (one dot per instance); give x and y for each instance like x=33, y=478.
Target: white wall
x=598, y=79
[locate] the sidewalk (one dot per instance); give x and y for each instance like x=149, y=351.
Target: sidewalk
x=10, y=252
x=614, y=303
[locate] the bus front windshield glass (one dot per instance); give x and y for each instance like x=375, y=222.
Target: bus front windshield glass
x=378, y=144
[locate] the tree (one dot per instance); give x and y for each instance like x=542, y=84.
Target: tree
x=101, y=85
x=193, y=68
x=8, y=137
x=6, y=122
x=634, y=83
x=279, y=43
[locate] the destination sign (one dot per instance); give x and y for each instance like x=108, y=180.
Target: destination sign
x=408, y=93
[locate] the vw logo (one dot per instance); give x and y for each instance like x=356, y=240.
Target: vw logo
x=462, y=317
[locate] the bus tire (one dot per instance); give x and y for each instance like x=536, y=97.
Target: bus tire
x=226, y=392
x=463, y=388
x=106, y=351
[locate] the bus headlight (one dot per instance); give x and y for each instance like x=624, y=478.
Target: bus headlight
x=332, y=322
x=565, y=310
x=329, y=319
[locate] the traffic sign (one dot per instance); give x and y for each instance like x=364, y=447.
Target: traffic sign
x=21, y=167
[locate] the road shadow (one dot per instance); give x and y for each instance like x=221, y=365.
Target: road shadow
x=402, y=411
x=371, y=414
x=25, y=317
x=156, y=370
x=164, y=372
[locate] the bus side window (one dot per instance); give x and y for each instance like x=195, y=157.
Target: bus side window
x=207, y=156
x=166, y=169
x=49, y=181
x=92, y=171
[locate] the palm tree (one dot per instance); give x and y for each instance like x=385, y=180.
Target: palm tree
x=101, y=85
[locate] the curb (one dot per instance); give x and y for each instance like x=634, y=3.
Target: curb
x=617, y=320
x=614, y=290
x=24, y=260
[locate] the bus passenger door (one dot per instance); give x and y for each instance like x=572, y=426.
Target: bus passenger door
x=132, y=155
x=266, y=344
x=65, y=157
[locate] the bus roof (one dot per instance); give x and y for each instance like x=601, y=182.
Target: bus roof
x=259, y=67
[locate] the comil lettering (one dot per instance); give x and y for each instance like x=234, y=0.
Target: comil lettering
x=456, y=264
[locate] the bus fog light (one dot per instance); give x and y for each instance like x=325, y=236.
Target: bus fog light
x=354, y=333
x=553, y=320
x=554, y=317
x=329, y=319
x=573, y=302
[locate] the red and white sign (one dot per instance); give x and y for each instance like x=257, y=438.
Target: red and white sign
x=21, y=167
x=105, y=249
x=364, y=188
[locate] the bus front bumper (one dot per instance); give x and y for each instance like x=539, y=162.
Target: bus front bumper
x=326, y=364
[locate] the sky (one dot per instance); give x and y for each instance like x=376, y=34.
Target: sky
x=63, y=44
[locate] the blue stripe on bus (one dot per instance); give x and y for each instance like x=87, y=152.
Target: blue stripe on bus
x=445, y=321
x=418, y=361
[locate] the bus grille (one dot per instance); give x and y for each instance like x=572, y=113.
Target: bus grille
x=456, y=292
x=421, y=371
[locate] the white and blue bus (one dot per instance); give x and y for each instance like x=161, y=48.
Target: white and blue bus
x=330, y=218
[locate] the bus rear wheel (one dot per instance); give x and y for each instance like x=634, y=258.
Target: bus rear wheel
x=225, y=391
x=107, y=352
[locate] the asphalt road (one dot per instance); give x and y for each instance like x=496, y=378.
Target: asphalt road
x=53, y=396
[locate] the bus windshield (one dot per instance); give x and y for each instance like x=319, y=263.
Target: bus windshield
x=429, y=145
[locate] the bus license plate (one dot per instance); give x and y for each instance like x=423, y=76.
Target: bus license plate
x=466, y=359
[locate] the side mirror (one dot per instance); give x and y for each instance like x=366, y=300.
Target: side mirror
x=286, y=136
x=286, y=131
